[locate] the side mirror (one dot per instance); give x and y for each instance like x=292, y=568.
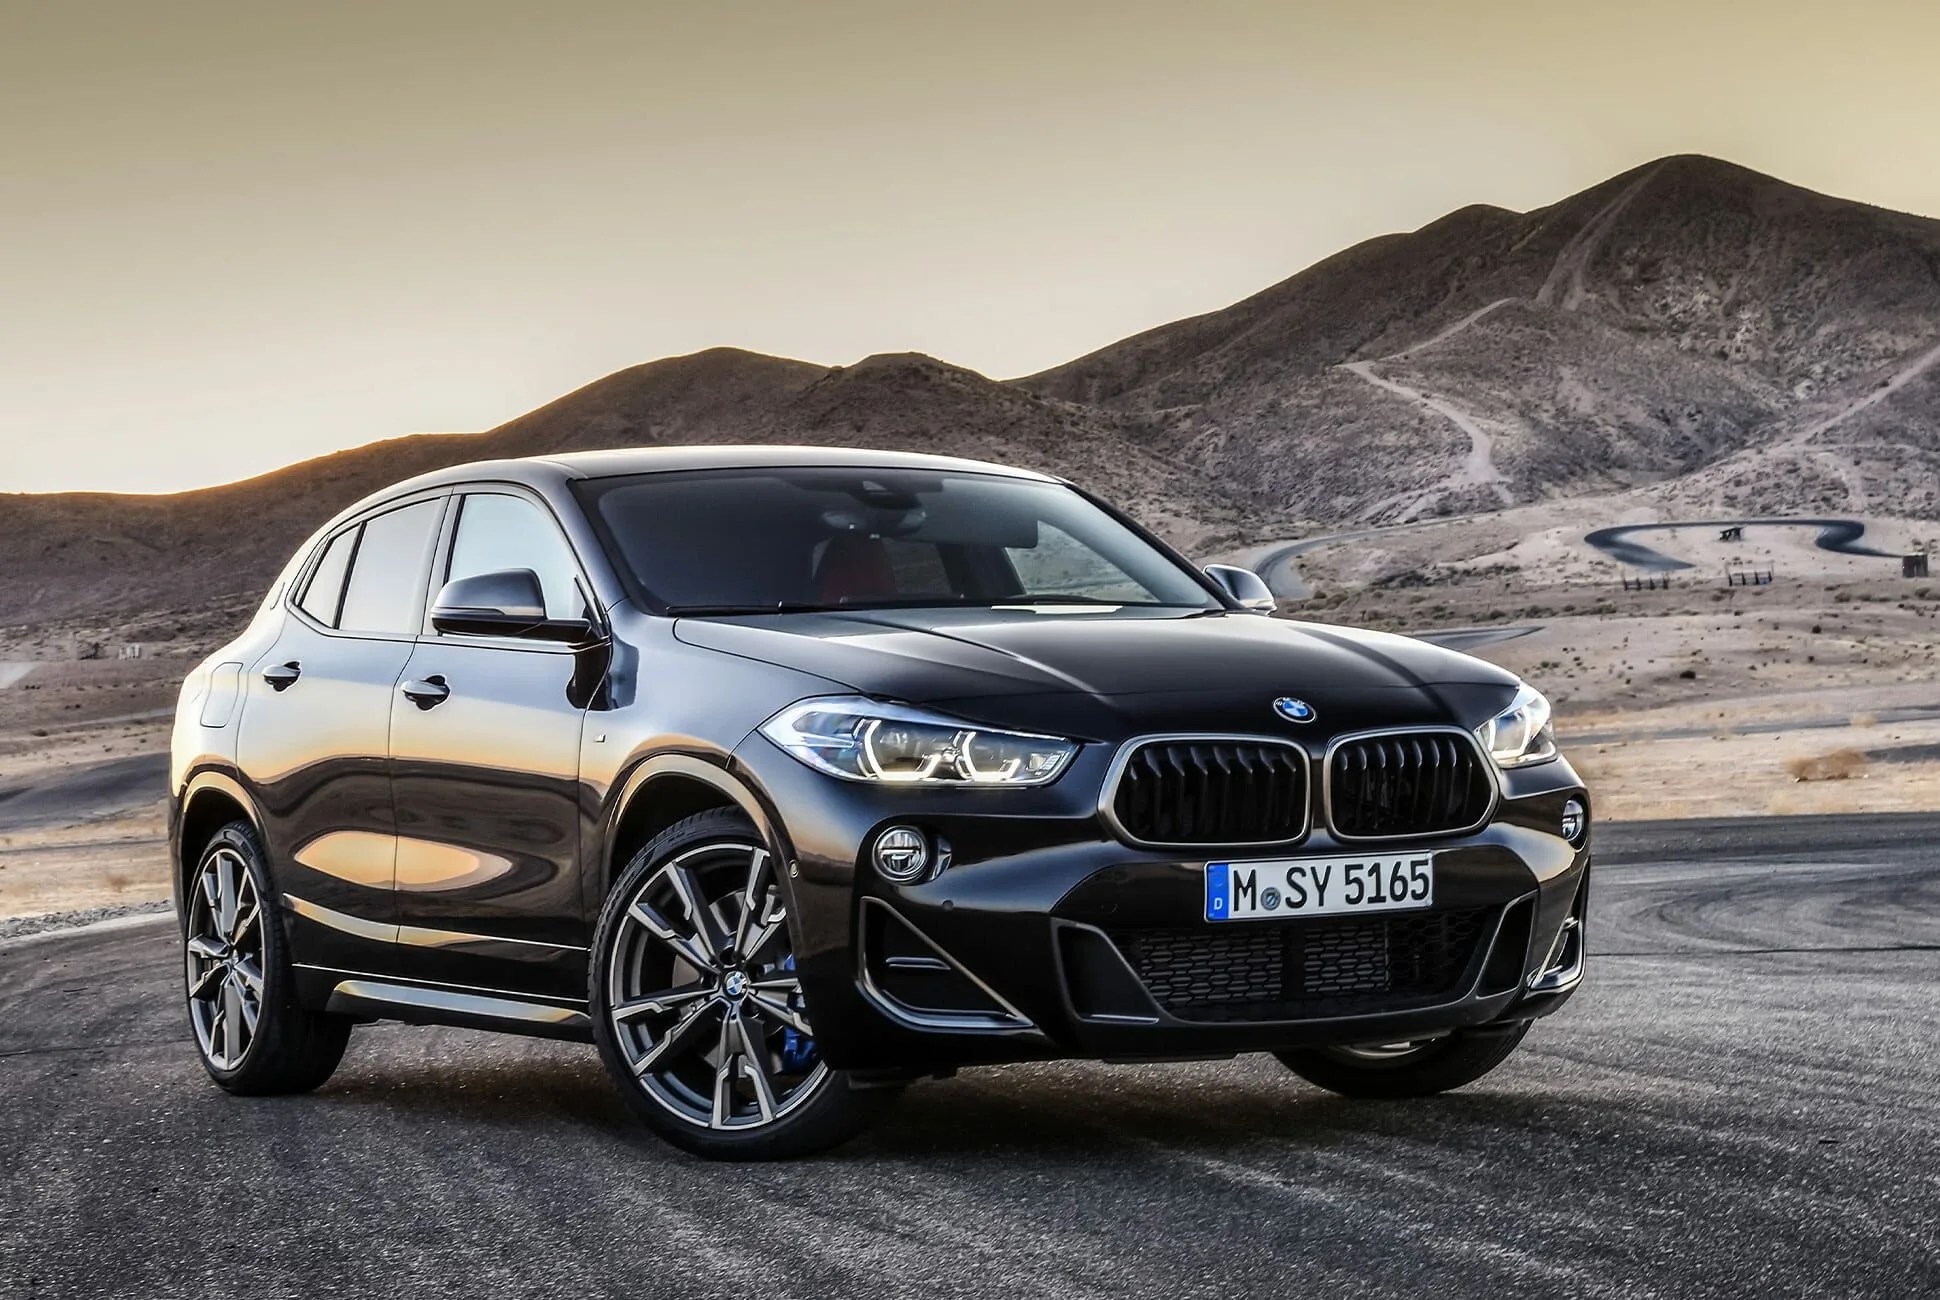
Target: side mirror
x=508, y=603
x=1244, y=586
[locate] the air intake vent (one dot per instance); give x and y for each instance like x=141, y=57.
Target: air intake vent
x=1213, y=792
x=1408, y=783
x=1308, y=969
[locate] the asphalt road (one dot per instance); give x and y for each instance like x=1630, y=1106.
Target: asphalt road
x=1283, y=577
x=1744, y=1099
x=1838, y=535
x=76, y=795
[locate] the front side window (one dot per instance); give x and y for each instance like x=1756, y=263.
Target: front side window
x=814, y=538
x=388, y=569
x=498, y=532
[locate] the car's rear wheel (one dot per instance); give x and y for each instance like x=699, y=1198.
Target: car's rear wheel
x=1410, y=1068
x=252, y=1035
x=696, y=1006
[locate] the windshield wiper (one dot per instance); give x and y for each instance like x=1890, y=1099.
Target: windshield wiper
x=770, y=607
x=920, y=602
x=1009, y=602
x=1051, y=599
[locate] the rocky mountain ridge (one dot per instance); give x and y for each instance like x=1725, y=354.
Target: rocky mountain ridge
x=1714, y=337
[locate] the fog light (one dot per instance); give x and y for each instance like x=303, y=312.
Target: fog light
x=902, y=854
x=1576, y=821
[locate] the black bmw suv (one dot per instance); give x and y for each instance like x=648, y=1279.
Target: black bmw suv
x=788, y=776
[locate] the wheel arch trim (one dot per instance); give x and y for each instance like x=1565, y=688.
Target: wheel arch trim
x=714, y=771
x=199, y=784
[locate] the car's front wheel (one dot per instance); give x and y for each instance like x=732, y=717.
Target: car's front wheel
x=697, y=1008
x=1412, y=1068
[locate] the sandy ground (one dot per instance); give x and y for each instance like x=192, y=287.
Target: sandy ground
x=82, y=781
x=1701, y=700
x=119, y=861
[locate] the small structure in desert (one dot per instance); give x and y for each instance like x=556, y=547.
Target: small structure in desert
x=1735, y=533
x=1738, y=573
x=1915, y=565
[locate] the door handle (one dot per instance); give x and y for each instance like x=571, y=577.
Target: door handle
x=283, y=676
x=428, y=693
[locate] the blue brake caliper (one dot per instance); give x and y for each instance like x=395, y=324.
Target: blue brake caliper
x=797, y=1048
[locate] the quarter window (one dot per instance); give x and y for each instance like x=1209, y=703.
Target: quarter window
x=325, y=591
x=382, y=594
x=498, y=532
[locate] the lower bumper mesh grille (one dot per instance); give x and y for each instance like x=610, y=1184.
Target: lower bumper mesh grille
x=1307, y=969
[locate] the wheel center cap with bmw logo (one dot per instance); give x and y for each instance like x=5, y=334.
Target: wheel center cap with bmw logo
x=1293, y=710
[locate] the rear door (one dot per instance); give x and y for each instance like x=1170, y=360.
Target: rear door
x=314, y=737
x=485, y=771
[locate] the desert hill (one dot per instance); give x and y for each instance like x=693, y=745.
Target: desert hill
x=1706, y=334
x=99, y=555
x=1685, y=314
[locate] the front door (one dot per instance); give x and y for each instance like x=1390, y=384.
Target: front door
x=485, y=736
x=314, y=734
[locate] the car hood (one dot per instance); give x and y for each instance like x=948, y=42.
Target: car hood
x=1106, y=675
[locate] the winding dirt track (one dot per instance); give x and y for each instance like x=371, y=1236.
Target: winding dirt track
x=1563, y=287
x=1565, y=280
x=1909, y=370
x=1478, y=464
x=1743, y=1100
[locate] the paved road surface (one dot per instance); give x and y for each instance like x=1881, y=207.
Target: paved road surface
x=73, y=796
x=1275, y=563
x=1838, y=535
x=1744, y=1100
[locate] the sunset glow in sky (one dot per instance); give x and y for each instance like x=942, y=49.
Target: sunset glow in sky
x=234, y=236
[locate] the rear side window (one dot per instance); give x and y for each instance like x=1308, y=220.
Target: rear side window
x=325, y=591
x=387, y=573
x=498, y=532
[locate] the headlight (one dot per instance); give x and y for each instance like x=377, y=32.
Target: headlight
x=1520, y=736
x=860, y=739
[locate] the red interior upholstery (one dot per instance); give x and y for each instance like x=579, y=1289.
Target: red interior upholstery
x=854, y=568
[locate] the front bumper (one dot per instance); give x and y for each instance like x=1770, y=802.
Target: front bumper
x=1048, y=937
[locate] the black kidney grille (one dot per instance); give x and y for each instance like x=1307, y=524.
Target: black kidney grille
x=1213, y=792
x=1409, y=783
x=1307, y=969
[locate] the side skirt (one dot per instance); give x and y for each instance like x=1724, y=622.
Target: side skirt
x=367, y=997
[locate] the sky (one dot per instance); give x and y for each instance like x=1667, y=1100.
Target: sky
x=233, y=236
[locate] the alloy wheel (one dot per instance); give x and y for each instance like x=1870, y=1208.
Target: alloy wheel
x=702, y=993
x=224, y=958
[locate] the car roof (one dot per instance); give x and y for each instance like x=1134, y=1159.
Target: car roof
x=535, y=470
x=556, y=470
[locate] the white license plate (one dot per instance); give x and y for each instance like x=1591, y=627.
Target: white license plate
x=1295, y=887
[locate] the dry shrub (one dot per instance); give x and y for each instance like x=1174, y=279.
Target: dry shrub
x=1839, y=765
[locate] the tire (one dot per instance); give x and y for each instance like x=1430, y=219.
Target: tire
x=250, y=1033
x=696, y=1008
x=1419, y=1070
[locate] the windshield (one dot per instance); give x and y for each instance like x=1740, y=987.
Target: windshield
x=749, y=540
